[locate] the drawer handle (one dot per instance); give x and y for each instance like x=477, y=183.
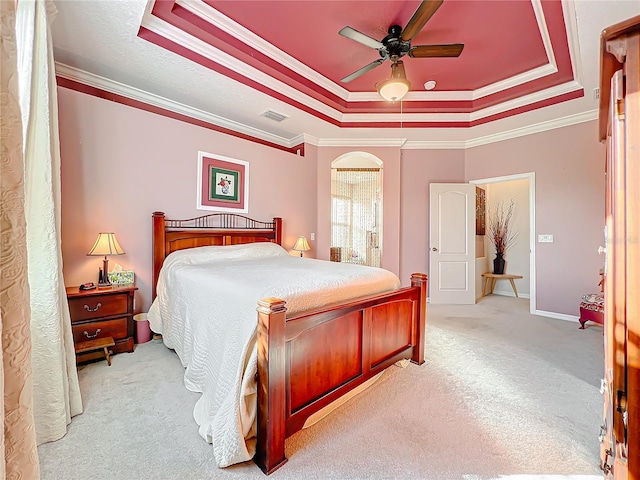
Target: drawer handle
x=86, y=334
x=89, y=309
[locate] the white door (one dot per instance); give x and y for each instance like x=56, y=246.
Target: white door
x=452, y=266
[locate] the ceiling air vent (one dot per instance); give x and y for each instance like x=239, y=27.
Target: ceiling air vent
x=275, y=116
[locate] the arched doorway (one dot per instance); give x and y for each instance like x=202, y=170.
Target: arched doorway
x=356, y=209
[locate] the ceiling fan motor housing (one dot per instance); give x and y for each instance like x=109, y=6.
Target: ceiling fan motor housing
x=393, y=45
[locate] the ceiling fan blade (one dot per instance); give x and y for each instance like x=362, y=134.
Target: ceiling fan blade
x=421, y=16
x=428, y=51
x=349, y=32
x=362, y=70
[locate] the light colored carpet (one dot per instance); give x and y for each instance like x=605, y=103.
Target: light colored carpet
x=503, y=394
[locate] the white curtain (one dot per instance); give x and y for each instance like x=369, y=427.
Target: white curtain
x=55, y=379
x=18, y=436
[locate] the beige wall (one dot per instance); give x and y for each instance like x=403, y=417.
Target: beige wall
x=569, y=188
x=120, y=164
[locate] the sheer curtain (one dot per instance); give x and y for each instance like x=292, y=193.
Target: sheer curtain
x=356, y=195
x=18, y=437
x=55, y=379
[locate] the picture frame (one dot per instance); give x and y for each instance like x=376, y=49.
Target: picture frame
x=223, y=183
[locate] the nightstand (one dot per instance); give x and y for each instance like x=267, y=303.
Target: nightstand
x=102, y=313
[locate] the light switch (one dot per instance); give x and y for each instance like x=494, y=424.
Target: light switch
x=545, y=238
x=313, y=236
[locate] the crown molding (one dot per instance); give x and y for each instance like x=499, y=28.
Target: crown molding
x=453, y=95
x=549, y=69
x=199, y=47
x=523, y=101
x=571, y=27
x=435, y=145
x=361, y=142
x=118, y=88
x=535, y=128
x=123, y=90
x=246, y=36
x=304, y=138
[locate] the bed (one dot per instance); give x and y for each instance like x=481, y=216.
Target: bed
x=305, y=358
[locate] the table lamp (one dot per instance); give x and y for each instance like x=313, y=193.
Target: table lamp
x=301, y=245
x=106, y=244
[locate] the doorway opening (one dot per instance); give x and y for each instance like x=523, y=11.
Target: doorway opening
x=521, y=256
x=356, y=209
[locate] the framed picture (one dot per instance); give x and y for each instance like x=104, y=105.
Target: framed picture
x=223, y=183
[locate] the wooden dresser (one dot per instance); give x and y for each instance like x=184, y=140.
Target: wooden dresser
x=102, y=313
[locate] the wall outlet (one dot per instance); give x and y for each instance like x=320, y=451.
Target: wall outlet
x=545, y=238
x=313, y=236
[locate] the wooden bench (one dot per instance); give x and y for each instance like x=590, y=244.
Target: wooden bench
x=97, y=344
x=494, y=277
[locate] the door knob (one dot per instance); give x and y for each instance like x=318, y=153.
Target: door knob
x=602, y=250
x=434, y=249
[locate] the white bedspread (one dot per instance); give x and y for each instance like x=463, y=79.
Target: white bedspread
x=206, y=311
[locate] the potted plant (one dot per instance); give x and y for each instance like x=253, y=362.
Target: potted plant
x=500, y=234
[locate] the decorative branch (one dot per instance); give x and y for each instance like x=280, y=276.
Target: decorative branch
x=498, y=227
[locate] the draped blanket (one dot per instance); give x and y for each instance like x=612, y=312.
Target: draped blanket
x=206, y=311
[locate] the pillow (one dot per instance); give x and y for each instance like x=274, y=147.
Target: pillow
x=217, y=253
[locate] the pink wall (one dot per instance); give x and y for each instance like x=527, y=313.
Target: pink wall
x=390, y=157
x=419, y=168
x=569, y=187
x=119, y=164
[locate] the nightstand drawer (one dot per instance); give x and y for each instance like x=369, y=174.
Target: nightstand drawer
x=85, y=308
x=116, y=328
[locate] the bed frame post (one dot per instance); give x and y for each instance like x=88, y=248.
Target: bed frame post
x=277, y=226
x=271, y=384
x=158, y=249
x=420, y=280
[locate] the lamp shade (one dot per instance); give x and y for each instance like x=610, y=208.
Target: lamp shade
x=301, y=245
x=106, y=244
x=397, y=86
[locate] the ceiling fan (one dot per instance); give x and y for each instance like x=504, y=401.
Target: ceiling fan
x=396, y=45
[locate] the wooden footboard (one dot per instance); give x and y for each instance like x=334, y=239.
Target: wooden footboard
x=309, y=360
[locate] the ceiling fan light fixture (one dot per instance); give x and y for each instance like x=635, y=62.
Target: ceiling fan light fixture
x=397, y=86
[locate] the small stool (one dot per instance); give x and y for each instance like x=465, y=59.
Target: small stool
x=97, y=344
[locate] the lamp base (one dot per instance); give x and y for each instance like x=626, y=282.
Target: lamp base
x=103, y=277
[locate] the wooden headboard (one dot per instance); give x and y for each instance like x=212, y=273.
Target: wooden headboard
x=213, y=229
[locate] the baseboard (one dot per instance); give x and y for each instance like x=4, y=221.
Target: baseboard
x=509, y=293
x=559, y=316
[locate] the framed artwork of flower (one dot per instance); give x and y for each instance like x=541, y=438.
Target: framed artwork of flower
x=223, y=183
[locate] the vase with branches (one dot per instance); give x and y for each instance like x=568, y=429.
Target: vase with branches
x=501, y=233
